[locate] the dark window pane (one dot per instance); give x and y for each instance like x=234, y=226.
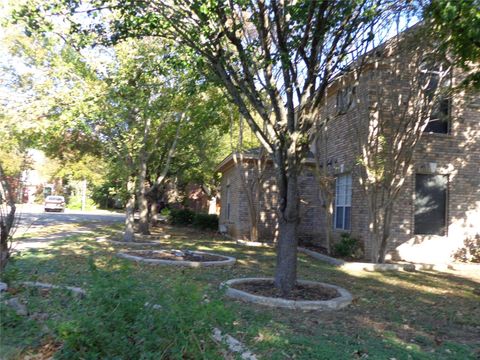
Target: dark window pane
x=339, y=218
x=439, y=118
x=439, y=126
x=347, y=218
x=430, y=204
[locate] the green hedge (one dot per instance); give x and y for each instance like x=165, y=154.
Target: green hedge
x=181, y=216
x=206, y=221
x=188, y=217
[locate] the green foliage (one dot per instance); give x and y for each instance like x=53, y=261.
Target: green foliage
x=457, y=24
x=109, y=195
x=181, y=216
x=206, y=221
x=348, y=247
x=75, y=203
x=118, y=320
x=165, y=212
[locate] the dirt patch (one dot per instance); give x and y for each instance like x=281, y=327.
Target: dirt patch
x=176, y=255
x=300, y=292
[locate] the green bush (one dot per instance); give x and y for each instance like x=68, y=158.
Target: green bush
x=117, y=320
x=181, y=216
x=206, y=221
x=348, y=247
x=166, y=212
x=75, y=203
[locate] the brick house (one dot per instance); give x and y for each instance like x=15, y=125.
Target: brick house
x=439, y=204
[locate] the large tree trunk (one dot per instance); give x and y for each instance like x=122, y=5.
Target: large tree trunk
x=328, y=225
x=286, y=270
x=7, y=219
x=144, y=221
x=154, y=211
x=387, y=223
x=129, y=234
x=4, y=246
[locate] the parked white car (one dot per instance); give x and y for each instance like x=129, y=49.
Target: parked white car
x=54, y=203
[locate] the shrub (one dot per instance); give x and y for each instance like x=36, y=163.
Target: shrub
x=181, y=216
x=206, y=221
x=166, y=212
x=470, y=252
x=75, y=203
x=117, y=320
x=348, y=247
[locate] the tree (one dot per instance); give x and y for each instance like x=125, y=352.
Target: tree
x=457, y=24
x=409, y=88
x=7, y=219
x=272, y=57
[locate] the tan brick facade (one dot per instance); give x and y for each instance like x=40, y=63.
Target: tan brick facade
x=456, y=154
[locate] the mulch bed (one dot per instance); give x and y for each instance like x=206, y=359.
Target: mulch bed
x=300, y=292
x=176, y=256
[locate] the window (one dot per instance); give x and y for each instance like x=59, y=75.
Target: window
x=227, y=200
x=343, y=201
x=440, y=117
x=430, y=204
x=345, y=99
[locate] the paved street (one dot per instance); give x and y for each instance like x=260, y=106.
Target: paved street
x=52, y=226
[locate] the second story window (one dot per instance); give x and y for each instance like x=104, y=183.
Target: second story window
x=440, y=118
x=345, y=99
x=432, y=73
x=343, y=201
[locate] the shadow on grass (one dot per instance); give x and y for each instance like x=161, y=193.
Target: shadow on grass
x=420, y=315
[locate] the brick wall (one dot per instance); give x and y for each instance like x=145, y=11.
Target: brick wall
x=457, y=155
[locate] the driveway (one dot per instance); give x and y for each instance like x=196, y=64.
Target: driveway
x=37, y=228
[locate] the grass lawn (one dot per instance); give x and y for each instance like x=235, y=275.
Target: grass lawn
x=395, y=315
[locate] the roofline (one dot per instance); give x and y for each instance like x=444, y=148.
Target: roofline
x=229, y=159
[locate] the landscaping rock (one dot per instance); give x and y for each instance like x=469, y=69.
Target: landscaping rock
x=234, y=345
x=3, y=286
x=75, y=290
x=153, y=306
x=39, y=316
x=142, y=256
x=344, y=299
x=322, y=257
x=16, y=305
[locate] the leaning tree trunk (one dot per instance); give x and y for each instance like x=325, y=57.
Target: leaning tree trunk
x=286, y=270
x=154, y=210
x=143, y=224
x=129, y=234
x=7, y=220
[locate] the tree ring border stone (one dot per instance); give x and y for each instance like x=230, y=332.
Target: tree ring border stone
x=226, y=261
x=337, y=303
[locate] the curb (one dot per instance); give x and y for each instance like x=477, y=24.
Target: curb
x=229, y=261
x=337, y=303
x=361, y=266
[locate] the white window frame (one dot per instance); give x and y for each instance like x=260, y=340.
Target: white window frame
x=343, y=199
